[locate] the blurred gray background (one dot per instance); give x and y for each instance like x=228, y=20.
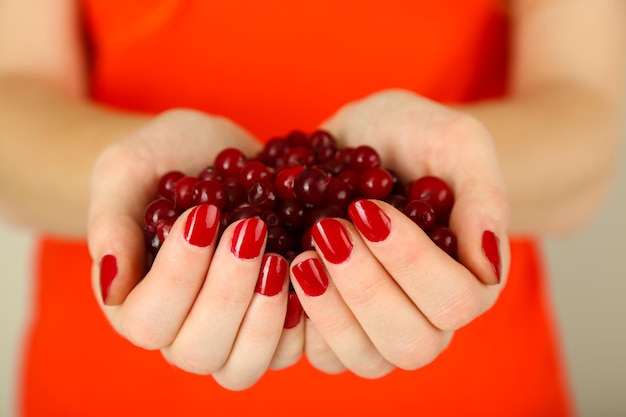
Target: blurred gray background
x=588, y=287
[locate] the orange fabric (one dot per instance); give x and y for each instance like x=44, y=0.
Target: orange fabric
x=274, y=66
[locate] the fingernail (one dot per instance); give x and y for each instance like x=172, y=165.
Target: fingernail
x=201, y=225
x=370, y=220
x=108, y=272
x=491, y=249
x=294, y=311
x=333, y=240
x=272, y=275
x=248, y=238
x=311, y=277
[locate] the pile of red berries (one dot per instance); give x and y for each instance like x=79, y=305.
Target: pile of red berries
x=292, y=183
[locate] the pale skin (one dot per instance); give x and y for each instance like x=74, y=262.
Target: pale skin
x=537, y=162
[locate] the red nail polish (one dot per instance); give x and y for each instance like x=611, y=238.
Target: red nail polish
x=311, y=277
x=333, y=240
x=294, y=311
x=248, y=238
x=491, y=249
x=201, y=225
x=272, y=275
x=108, y=272
x=370, y=220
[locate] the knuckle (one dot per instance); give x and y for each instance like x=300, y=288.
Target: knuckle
x=458, y=312
x=144, y=335
x=365, y=293
x=237, y=381
x=417, y=353
x=191, y=361
x=374, y=369
x=286, y=359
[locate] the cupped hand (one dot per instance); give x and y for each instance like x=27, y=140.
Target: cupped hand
x=377, y=291
x=211, y=306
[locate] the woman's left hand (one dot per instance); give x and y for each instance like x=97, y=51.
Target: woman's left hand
x=378, y=292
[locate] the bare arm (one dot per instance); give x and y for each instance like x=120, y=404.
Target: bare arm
x=558, y=133
x=49, y=134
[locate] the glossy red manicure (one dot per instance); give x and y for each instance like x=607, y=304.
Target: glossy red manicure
x=370, y=220
x=294, y=311
x=311, y=277
x=108, y=272
x=248, y=238
x=272, y=275
x=201, y=225
x=333, y=240
x=491, y=249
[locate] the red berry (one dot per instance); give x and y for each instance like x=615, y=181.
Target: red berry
x=376, y=183
x=167, y=183
x=435, y=192
x=284, y=181
x=254, y=171
x=229, y=162
x=444, y=238
x=210, y=192
x=364, y=157
x=421, y=213
x=157, y=210
x=310, y=186
x=183, y=194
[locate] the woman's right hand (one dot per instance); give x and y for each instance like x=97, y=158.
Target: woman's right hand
x=211, y=307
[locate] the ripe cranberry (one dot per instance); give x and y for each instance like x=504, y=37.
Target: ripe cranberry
x=284, y=181
x=299, y=155
x=421, y=213
x=292, y=214
x=167, y=183
x=274, y=148
x=183, y=194
x=338, y=193
x=229, y=162
x=444, y=238
x=364, y=157
x=352, y=179
x=210, y=173
x=262, y=194
x=310, y=186
x=253, y=171
x=376, y=183
x=210, y=192
x=323, y=144
x=435, y=192
x=157, y=210
x=277, y=240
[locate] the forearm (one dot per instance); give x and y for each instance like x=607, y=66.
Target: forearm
x=50, y=140
x=558, y=149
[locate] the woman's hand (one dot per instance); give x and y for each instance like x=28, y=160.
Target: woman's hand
x=210, y=307
x=378, y=293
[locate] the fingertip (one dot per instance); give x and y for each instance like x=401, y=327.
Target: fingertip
x=117, y=248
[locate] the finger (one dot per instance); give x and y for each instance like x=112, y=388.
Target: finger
x=291, y=344
x=319, y=354
x=468, y=162
x=333, y=319
x=261, y=328
x=155, y=309
x=392, y=321
x=446, y=292
x=208, y=334
x=115, y=235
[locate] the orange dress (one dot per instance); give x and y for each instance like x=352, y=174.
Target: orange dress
x=272, y=67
